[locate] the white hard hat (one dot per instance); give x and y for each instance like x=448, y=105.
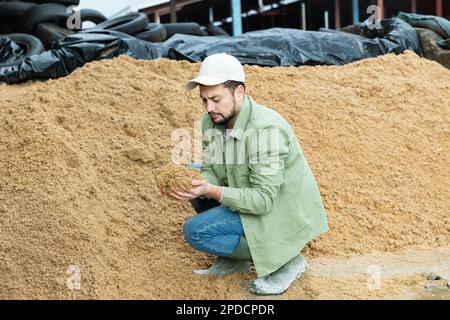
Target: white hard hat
x=216, y=69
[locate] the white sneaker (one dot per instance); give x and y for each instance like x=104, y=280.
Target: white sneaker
x=279, y=281
x=223, y=266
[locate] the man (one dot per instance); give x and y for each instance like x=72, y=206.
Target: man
x=259, y=201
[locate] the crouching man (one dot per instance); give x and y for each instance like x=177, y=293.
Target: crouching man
x=259, y=201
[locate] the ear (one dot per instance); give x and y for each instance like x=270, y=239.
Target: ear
x=240, y=92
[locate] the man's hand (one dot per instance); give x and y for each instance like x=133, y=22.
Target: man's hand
x=202, y=188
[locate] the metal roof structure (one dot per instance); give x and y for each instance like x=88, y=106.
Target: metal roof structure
x=262, y=14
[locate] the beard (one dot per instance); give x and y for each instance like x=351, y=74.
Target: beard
x=223, y=120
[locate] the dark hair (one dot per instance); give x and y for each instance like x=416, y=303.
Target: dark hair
x=232, y=85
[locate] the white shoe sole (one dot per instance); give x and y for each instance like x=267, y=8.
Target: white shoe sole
x=238, y=268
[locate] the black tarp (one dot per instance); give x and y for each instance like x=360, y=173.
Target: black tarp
x=438, y=24
x=75, y=51
x=271, y=47
x=292, y=47
x=10, y=51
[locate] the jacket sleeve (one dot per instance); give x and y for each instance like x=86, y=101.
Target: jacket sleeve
x=208, y=173
x=266, y=174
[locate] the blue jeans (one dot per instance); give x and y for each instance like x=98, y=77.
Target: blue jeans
x=215, y=229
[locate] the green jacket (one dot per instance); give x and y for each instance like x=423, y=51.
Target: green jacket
x=268, y=181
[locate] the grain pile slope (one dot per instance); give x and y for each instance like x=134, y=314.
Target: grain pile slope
x=77, y=156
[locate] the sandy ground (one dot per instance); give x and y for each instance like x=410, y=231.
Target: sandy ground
x=78, y=194
x=379, y=276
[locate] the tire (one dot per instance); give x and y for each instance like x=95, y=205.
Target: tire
x=31, y=44
x=8, y=25
x=14, y=9
x=353, y=29
x=92, y=16
x=190, y=28
x=153, y=32
x=216, y=31
x=47, y=12
x=129, y=24
x=48, y=35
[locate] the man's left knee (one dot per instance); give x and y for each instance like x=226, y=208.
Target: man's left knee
x=190, y=231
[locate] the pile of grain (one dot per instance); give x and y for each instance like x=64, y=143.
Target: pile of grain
x=77, y=155
x=172, y=177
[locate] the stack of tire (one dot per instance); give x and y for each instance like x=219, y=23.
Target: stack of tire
x=137, y=25
x=38, y=25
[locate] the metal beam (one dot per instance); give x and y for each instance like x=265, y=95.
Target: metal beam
x=413, y=6
x=164, y=9
x=156, y=18
x=380, y=4
x=303, y=6
x=236, y=14
x=337, y=14
x=211, y=14
x=173, y=11
x=355, y=11
x=439, y=8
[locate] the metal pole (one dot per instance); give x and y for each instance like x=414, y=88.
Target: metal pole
x=326, y=20
x=156, y=17
x=380, y=4
x=303, y=16
x=337, y=14
x=355, y=11
x=439, y=8
x=211, y=14
x=413, y=6
x=173, y=11
x=236, y=15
